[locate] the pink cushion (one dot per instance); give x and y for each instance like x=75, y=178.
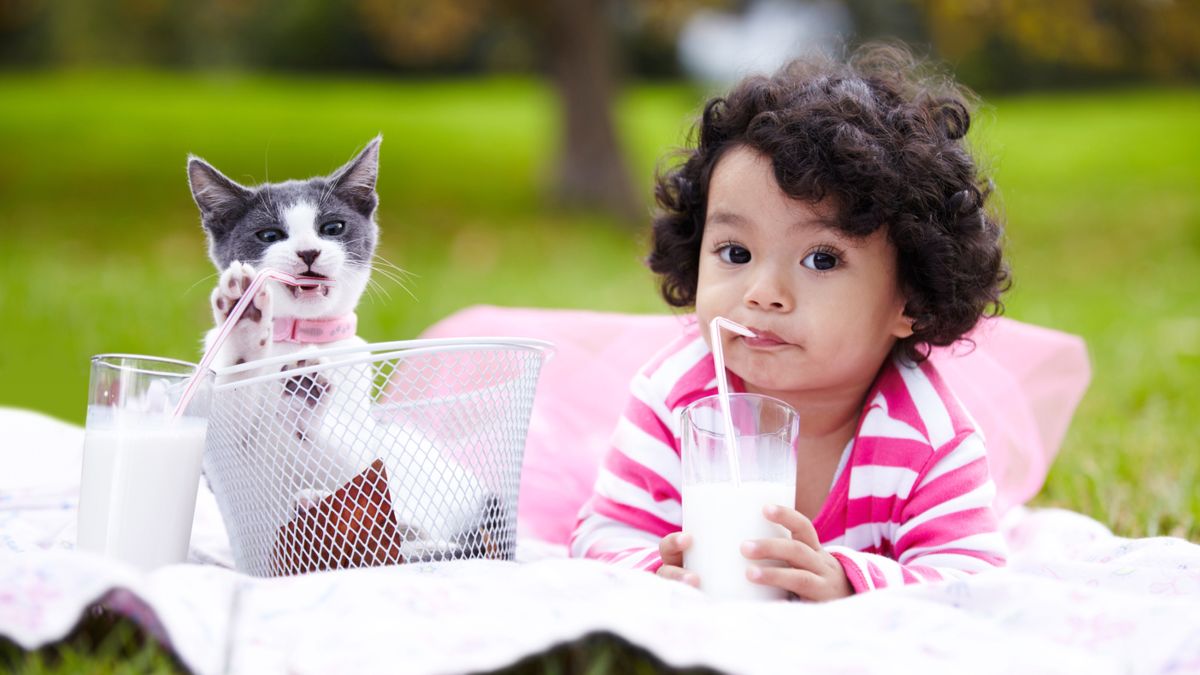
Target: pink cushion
x=1021, y=383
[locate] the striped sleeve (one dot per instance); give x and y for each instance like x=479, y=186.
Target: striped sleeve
x=947, y=527
x=636, y=501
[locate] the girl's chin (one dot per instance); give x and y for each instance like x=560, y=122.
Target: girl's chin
x=777, y=390
x=768, y=386
x=773, y=379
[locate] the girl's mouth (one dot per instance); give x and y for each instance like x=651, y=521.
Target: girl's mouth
x=764, y=340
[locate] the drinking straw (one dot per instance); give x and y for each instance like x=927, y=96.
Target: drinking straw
x=714, y=328
x=236, y=313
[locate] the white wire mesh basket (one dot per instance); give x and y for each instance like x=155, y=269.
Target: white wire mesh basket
x=374, y=455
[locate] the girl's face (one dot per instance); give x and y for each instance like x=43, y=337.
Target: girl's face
x=826, y=308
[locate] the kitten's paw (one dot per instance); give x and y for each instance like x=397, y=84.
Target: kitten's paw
x=309, y=388
x=234, y=282
x=253, y=332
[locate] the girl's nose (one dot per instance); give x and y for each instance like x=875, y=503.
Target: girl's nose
x=769, y=292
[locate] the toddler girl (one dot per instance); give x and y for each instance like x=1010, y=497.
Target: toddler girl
x=833, y=209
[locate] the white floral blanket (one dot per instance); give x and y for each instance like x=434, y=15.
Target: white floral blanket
x=1075, y=599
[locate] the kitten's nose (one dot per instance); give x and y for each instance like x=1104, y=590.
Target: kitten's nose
x=308, y=256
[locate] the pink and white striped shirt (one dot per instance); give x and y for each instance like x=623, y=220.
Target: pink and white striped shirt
x=911, y=499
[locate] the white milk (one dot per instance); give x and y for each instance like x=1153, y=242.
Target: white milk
x=720, y=516
x=137, y=498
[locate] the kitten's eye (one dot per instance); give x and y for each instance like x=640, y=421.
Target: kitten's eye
x=734, y=254
x=270, y=235
x=820, y=261
x=333, y=228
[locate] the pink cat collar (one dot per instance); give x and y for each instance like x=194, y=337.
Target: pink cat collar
x=315, y=331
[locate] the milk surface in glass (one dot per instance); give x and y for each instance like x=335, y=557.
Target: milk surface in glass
x=138, y=492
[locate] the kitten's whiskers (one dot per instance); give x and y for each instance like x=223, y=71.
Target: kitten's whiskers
x=374, y=286
x=200, y=281
x=325, y=192
x=396, y=274
x=265, y=191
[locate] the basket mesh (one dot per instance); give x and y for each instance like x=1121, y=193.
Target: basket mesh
x=379, y=457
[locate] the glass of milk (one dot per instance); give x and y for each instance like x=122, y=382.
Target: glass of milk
x=720, y=512
x=141, y=463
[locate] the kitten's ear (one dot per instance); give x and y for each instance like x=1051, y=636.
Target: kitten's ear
x=215, y=194
x=355, y=182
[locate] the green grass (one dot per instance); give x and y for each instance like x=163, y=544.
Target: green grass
x=1104, y=229
x=101, y=250
x=106, y=644
x=102, y=644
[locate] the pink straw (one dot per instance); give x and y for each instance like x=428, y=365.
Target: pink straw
x=714, y=328
x=236, y=313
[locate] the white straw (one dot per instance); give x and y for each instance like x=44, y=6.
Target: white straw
x=236, y=313
x=731, y=447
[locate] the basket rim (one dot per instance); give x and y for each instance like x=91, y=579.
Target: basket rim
x=375, y=351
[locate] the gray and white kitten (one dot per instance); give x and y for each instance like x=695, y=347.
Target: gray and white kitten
x=322, y=226
x=316, y=426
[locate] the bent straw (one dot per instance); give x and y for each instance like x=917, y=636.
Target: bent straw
x=236, y=313
x=714, y=328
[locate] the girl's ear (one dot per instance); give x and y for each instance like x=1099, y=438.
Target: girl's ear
x=902, y=323
x=903, y=327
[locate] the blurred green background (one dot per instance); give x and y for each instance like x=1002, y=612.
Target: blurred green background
x=1092, y=135
x=520, y=139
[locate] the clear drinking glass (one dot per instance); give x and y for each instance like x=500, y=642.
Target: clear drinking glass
x=141, y=463
x=721, y=513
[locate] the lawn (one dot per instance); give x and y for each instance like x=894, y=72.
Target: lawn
x=102, y=251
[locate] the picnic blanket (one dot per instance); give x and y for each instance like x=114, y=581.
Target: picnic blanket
x=1074, y=596
x=1074, y=599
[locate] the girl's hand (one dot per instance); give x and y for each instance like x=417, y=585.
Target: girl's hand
x=671, y=549
x=812, y=574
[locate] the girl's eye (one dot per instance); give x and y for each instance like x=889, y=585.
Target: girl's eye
x=333, y=228
x=270, y=235
x=734, y=254
x=820, y=261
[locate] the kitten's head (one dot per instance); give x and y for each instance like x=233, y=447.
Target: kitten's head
x=322, y=226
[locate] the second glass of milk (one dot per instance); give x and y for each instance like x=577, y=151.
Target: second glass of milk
x=141, y=463
x=720, y=512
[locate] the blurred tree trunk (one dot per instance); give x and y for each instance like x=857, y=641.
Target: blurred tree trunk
x=576, y=42
x=578, y=47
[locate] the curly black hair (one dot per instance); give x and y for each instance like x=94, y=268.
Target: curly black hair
x=886, y=142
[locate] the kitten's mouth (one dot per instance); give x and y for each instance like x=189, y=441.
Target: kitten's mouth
x=305, y=291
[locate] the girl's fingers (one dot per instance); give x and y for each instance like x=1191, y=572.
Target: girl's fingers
x=679, y=574
x=794, y=553
x=672, y=546
x=801, y=583
x=797, y=523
